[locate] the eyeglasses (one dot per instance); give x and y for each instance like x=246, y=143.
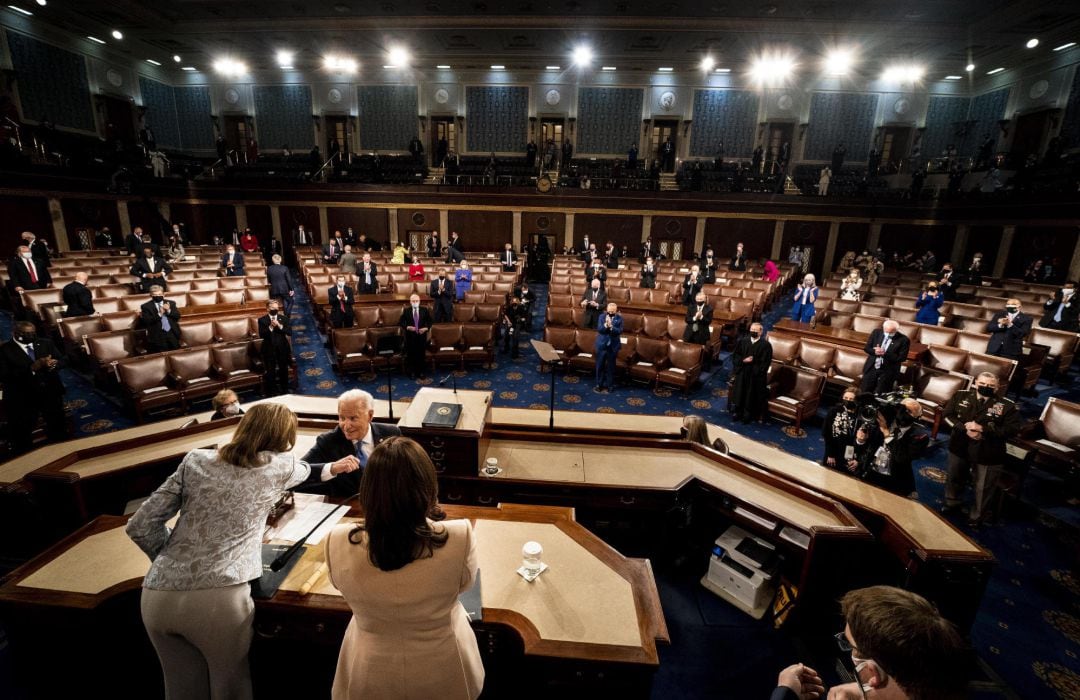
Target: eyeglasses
x=842, y=642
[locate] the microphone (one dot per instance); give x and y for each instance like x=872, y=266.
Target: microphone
x=282, y=559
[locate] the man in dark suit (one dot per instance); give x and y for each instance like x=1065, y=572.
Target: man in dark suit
x=527, y=297
x=611, y=256
x=698, y=320
x=608, y=343
x=105, y=238
x=738, y=263
x=339, y=456
x=134, y=240
x=367, y=280
x=509, y=259
x=161, y=319
x=648, y=250
x=25, y=273
x=415, y=323
x=274, y=329
x=443, y=292
x=302, y=236
x=30, y=372
x=434, y=245
x=455, y=248
x=280, y=281
x=1060, y=312
x=750, y=362
x=152, y=270
x=332, y=251
x=886, y=350
x=692, y=285
x=596, y=271
x=78, y=299
x=232, y=262
x=594, y=301
x=648, y=274
x=39, y=249
x=708, y=264
x=1007, y=331
x=341, y=303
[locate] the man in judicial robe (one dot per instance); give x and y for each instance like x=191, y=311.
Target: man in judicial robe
x=750, y=370
x=442, y=291
x=30, y=372
x=274, y=329
x=78, y=299
x=698, y=320
x=594, y=301
x=341, y=304
x=415, y=323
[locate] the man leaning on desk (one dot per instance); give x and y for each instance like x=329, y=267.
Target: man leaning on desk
x=339, y=456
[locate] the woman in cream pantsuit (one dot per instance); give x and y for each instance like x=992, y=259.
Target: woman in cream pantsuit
x=401, y=574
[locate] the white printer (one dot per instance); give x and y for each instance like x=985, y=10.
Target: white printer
x=742, y=570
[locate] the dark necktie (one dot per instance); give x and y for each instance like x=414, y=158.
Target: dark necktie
x=33, y=272
x=31, y=353
x=342, y=299
x=416, y=318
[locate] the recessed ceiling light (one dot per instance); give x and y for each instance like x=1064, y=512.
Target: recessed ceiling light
x=117, y=34
x=187, y=68
x=903, y=74
x=665, y=69
x=21, y=11
x=723, y=70
x=954, y=77
x=838, y=62
x=969, y=67
x=399, y=56
x=176, y=58
x=554, y=67
x=96, y=40
x=227, y=66
x=1032, y=43
x=707, y=63
x=607, y=68
x=42, y=2
x=443, y=67
x=995, y=71
x=153, y=62
x=582, y=56
x=498, y=67
x=1065, y=46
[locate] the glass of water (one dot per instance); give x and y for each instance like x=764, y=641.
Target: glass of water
x=532, y=554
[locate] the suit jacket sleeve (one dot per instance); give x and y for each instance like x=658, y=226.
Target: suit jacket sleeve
x=174, y=313
x=1021, y=326
x=1007, y=425
x=898, y=349
x=783, y=693
x=148, y=315
x=871, y=342
x=601, y=300
x=616, y=324
x=992, y=324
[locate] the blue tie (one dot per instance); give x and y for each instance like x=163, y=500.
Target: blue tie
x=31, y=353
x=165, y=325
x=1057, y=316
x=360, y=454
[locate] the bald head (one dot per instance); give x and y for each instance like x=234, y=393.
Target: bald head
x=81, y=277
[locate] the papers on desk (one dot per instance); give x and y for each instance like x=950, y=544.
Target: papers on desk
x=308, y=511
x=787, y=399
x=1055, y=445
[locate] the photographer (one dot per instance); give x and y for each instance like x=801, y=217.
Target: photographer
x=890, y=466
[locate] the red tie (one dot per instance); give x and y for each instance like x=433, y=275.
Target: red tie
x=416, y=319
x=33, y=272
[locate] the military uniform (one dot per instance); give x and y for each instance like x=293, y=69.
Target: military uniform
x=984, y=457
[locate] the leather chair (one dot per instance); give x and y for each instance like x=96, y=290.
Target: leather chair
x=676, y=327
x=231, y=296
x=655, y=327
x=366, y=316
x=107, y=306
x=560, y=316
x=444, y=345
x=794, y=393
x=482, y=286
x=351, y=350
x=256, y=294
x=233, y=363
x=744, y=307
x=840, y=320
x=847, y=367
x=478, y=343
x=785, y=348
x=1062, y=348
x=72, y=331
x=146, y=383
x=488, y=313
x=816, y=355
x=845, y=307
x=474, y=297
x=579, y=317
x=633, y=323
x=937, y=335
x=109, y=347
x=231, y=330
x=619, y=295
x=970, y=325
x=1056, y=425
x=1003, y=368
x=464, y=313
x=584, y=360
x=626, y=355
x=379, y=362
x=946, y=358
x=972, y=342
x=197, y=333
x=650, y=358
x=176, y=287
x=389, y=314
x=192, y=372
x=865, y=324
x=562, y=339
x=119, y=320
x=560, y=300
x=207, y=298
x=204, y=285
x=933, y=389
x=231, y=282
x=685, y=368
x=640, y=295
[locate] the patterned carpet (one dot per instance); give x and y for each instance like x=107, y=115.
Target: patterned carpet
x=1028, y=630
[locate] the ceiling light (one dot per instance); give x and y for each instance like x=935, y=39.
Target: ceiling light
x=41, y=2
x=227, y=66
x=340, y=64
x=723, y=70
x=443, y=67
x=607, y=68
x=498, y=67
x=582, y=56
x=903, y=74
x=285, y=59
x=187, y=68
x=554, y=67
x=1065, y=46
x=665, y=69
x=995, y=71
x=176, y=58
x=838, y=62
x=969, y=67
x=772, y=69
x=96, y=40
x=707, y=63
x=1032, y=43
x=21, y=11
x=117, y=34
x=954, y=77
x=399, y=56
x=153, y=62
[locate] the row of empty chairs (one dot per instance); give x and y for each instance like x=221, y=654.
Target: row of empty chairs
x=356, y=349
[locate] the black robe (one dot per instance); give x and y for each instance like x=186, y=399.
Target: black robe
x=749, y=392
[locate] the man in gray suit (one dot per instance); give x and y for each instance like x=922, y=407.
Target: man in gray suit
x=280, y=281
x=339, y=456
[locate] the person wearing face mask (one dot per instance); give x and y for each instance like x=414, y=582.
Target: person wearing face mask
x=347, y=262
x=850, y=286
x=596, y=271
x=750, y=369
x=232, y=262
x=341, y=303
x=947, y=282
x=30, y=373
x=151, y=270
x=929, y=304
x=648, y=274
x=462, y=280
x=275, y=331
x=607, y=346
x=698, y=319
x=161, y=319
x=593, y=301
x=226, y=405
x=708, y=264
x=805, y=295
x=886, y=349
x=415, y=323
x=738, y=263
x=981, y=423
x=1060, y=312
x=692, y=285
x=889, y=466
x=838, y=431
x=1007, y=331
x=26, y=273
x=443, y=291
x=367, y=276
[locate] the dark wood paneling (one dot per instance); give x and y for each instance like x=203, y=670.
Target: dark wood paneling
x=213, y=220
x=183, y=213
x=619, y=229
x=755, y=234
x=1044, y=243
x=420, y=219
x=483, y=230
x=374, y=223
x=291, y=217
x=553, y=224
x=146, y=214
x=260, y=221
x=852, y=236
x=27, y=214
x=806, y=233
x=918, y=239
x=673, y=228
x=985, y=240
x=88, y=213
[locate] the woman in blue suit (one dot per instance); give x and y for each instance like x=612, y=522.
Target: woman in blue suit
x=463, y=280
x=928, y=304
x=805, y=296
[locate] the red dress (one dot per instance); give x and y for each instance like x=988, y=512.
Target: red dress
x=249, y=244
x=416, y=272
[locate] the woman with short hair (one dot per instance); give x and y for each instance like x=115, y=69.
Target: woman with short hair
x=401, y=571
x=196, y=598
x=226, y=405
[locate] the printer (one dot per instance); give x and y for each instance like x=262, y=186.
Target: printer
x=743, y=570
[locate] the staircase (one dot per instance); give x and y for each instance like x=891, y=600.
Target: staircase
x=668, y=182
x=435, y=176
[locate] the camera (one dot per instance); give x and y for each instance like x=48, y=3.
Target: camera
x=869, y=405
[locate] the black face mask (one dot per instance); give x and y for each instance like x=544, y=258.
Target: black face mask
x=157, y=299
x=1011, y=309
x=25, y=338
x=755, y=335
x=985, y=391
x=850, y=405
x=904, y=419
x=273, y=312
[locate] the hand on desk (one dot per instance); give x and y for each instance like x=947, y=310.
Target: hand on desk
x=803, y=681
x=345, y=465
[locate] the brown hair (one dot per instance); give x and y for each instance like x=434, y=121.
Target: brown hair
x=399, y=493
x=696, y=430
x=223, y=397
x=266, y=427
x=913, y=643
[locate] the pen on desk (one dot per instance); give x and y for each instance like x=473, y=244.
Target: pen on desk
x=313, y=579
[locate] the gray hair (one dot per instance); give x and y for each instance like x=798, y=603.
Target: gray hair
x=988, y=375
x=157, y=287
x=358, y=395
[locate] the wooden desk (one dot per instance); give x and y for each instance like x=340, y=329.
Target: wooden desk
x=839, y=336
x=594, y=612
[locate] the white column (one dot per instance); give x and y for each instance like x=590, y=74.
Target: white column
x=830, y=249
x=241, y=217
x=874, y=238
x=1003, y=250
x=777, y=239
x=125, y=217
x=59, y=229
x=391, y=225
x=444, y=224
x=963, y=233
x=516, y=235
x=699, y=235
x=568, y=236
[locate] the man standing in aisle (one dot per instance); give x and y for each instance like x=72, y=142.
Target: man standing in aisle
x=415, y=323
x=1007, y=331
x=442, y=291
x=886, y=350
x=274, y=329
x=608, y=344
x=750, y=369
x=161, y=319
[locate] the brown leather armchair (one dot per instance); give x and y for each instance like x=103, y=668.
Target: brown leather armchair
x=366, y=316
x=197, y=333
x=231, y=330
x=685, y=368
x=847, y=367
x=1054, y=438
x=560, y=316
x=478, y=343
x=785, y=348
x=626, y=355
x=351, y=350
x=1001, y=367
x=794, y=393
x=933, y=389
x=488, y=313
x=650, y=358
x=147, y=384
x=444, y=345
x=192, y=372
x=584, y=360
x=1062, y=348
x=655, y=327
x=464, y=313
x=562, y=339
x=946, y=358
x=233, y=363
x=816, y=355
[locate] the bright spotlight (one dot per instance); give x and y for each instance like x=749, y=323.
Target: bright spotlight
x=229, y=67
x=903, y=74
x=772, y=69
x=285, y=59
x=969, y=67
x=340, y=64
x=838, y=62
x=398, y=56
x=1032, y=43
x=707, y=63
x=176, y=58
x=582, y=56
x=117, y=34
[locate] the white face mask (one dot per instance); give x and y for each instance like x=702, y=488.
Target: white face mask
x=27, y=256
x=340, y=285
x=231, y=409
x=416, y=307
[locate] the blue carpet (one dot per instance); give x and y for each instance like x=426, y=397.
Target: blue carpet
x=1028, y=629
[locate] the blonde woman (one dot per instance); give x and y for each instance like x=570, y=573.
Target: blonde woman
x=695, y=429
x=850, y=286
x=196, y=601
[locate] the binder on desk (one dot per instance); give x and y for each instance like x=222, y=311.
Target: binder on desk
x=442, y=415
x=264, y=587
